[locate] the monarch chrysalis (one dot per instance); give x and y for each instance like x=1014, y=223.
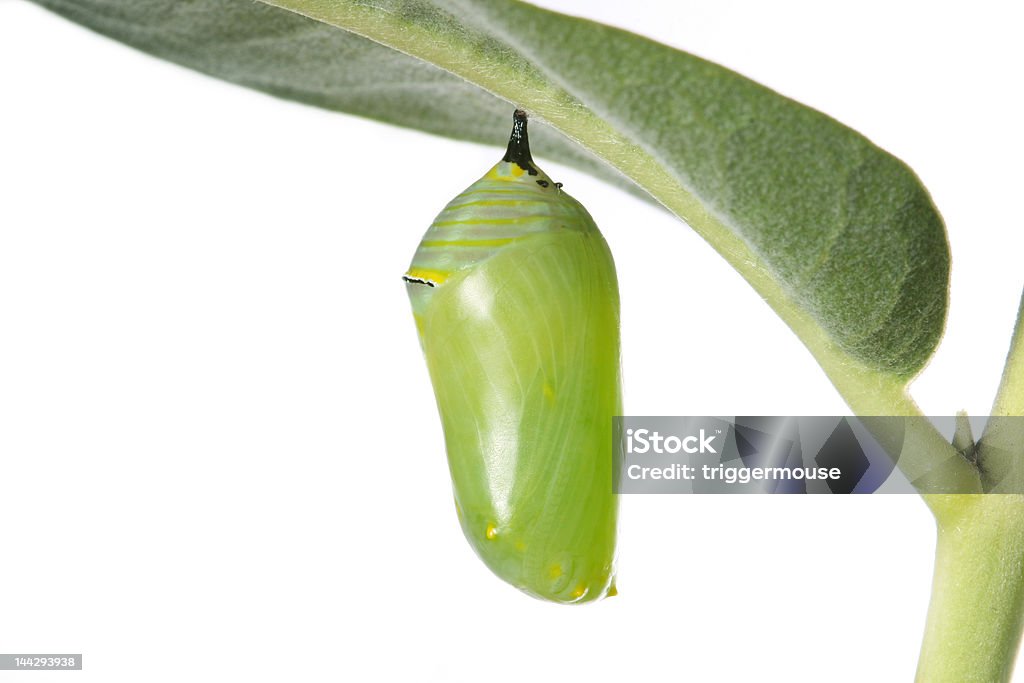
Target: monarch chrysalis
x=515, y=299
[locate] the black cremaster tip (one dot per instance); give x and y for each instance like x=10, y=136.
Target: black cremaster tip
x=518, y=151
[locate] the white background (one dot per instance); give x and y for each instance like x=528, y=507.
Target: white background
x=219, y=453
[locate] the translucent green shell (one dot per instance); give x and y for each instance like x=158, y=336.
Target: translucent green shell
x=514, y=294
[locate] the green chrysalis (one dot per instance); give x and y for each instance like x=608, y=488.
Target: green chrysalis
x=515, y=298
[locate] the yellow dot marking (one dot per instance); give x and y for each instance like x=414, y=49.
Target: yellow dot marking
x=580, y=591
x=555, y=571
x=520, y=545
x=435, y=276
x=549, y=392
x=492, y=532
x=505, y=171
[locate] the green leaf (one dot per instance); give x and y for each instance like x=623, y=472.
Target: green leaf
x=284, y=54
x=838, y=236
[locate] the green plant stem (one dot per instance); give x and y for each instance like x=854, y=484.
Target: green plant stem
x=976, y=614
x=977, y=605
x=1001, y=448
x=1010, y=396
x=977, y=609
